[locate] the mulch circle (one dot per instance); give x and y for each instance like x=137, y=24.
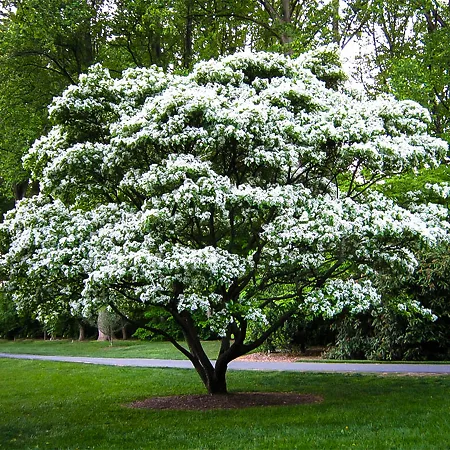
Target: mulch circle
x=230, y=401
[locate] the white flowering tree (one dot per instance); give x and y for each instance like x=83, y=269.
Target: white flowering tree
x=239, y=189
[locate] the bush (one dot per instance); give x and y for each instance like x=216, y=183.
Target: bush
x=388, y=336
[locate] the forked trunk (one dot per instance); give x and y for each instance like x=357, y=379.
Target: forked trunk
x=214, y=378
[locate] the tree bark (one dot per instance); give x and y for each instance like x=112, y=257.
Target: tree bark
x=283, y=19
x=82, y=332
x=212, y=377
x=218, y=383
x=187, y=54
x=102, y=336
x=335, y=22
x=19, y=190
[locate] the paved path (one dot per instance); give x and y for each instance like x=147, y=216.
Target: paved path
x=252, y=365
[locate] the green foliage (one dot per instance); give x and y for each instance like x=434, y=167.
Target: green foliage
x=378, y=337
x=23, y=102
x=6, y=200
x=297, y=335
x=160, y=320
x=430, y=285
x=409, y=55
x=415, y=186
x=422, y=75
x=389, y=336
x=12, y=324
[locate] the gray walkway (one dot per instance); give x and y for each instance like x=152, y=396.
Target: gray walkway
x=252, y=365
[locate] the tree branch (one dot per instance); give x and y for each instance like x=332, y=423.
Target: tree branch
x=275, y=326
x=62, y=70
x=153, y=330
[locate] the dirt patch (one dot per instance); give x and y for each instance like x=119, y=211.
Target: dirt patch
x=229, y=401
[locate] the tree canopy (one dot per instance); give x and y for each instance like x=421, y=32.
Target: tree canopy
x=241, y=188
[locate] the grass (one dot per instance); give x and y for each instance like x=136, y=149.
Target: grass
x=72, y=406
x=119, y=349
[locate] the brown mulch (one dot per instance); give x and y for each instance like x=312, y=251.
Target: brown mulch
x=229, y=401
x=239, y=400
x=313, y=355
x=273, y=357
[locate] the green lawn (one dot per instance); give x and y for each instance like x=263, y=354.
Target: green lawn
x=119, y=349
x=75, y=406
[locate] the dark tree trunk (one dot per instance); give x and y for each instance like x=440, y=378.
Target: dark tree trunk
x=82, y=332
x=187, y=54
x=19, y=190
x=212, y=377
x=217, y=385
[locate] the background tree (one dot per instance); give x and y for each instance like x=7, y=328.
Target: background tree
x=108, y=324
x=44, y=46
x=405, y=52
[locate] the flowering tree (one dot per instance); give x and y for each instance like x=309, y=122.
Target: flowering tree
x=241, y=188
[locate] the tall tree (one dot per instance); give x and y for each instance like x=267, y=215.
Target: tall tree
x=239, y=190
x=407, y=54
x=44, y=47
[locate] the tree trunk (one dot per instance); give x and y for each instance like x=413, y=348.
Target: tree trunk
x=102, y=336
x=217, y=385
x=335, y=22
x=82, y=332
x=213, y=378
x=19, y=190
x=187, y=53
x=285, y=20
x=107, y=325
x=282, y=19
